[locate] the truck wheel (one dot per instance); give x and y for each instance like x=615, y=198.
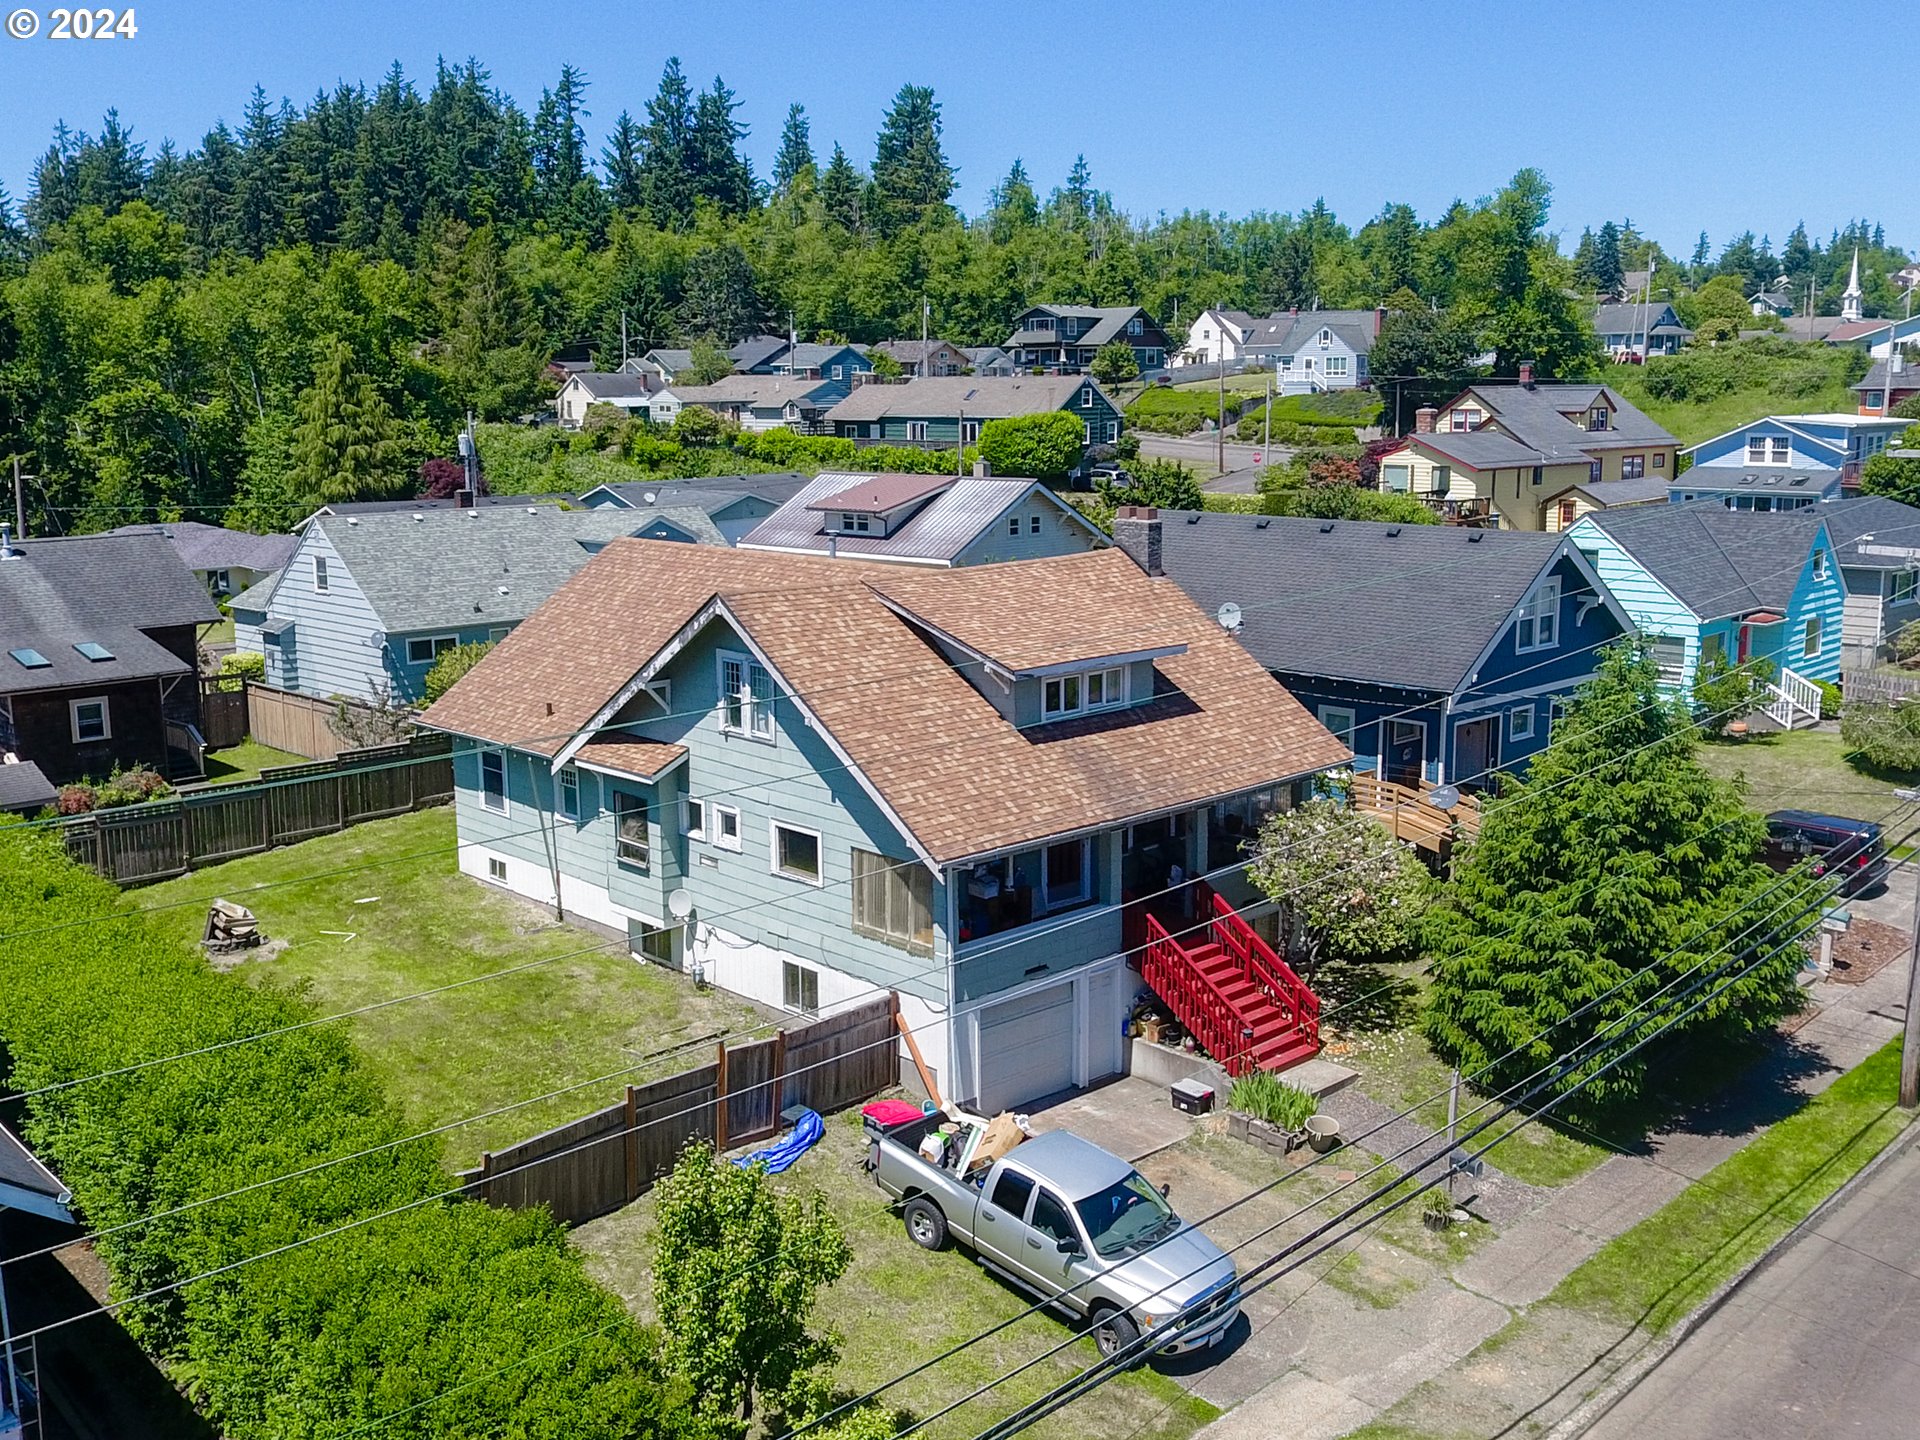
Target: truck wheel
x=1113, y=1331
x=926, y=1225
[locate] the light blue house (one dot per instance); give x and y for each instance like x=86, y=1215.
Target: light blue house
x=1702, y=581
x=1783, y=462
x=368, y=602
x=810, y=782
x=1314, y=350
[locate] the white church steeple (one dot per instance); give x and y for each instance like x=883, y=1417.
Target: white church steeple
x=1850, y=301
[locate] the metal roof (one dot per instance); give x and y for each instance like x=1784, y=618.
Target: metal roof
x=880, y=493
x=981, y=397
x=946, y=524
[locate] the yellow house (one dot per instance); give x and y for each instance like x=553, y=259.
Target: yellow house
x=1528, y=456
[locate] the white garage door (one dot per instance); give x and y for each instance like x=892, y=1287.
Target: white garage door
x=1026, y=1048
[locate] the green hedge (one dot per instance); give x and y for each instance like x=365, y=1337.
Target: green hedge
x=323, y=1340
x=1234, y=504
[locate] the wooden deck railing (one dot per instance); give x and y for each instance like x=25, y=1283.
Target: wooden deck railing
x=1412, y=817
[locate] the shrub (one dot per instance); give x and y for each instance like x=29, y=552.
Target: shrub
x=1233, y=504
x=75, y=799
x=1265, y=1096
x=1724, y=692
x=1885, y=735
x=345, y=1336
x=451, y=668
x=1044, y=447
x=1831, y=701
x=1175, y=423
x=130, y=787
x=241, y=666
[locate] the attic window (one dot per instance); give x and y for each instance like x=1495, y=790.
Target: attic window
x=94, y=650
x=1074, y=694
x=855, y=523
x=30, y=658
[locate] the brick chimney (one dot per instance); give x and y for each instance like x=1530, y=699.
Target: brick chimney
x=1293, y=309
x=1526, y=373
x=1136, y=530
x=1423, y=419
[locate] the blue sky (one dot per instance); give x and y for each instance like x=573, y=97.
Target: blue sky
x=1681, y=116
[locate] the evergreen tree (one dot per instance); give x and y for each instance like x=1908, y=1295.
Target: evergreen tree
x=209, y=179
x=1796, y=259
x=720, y=299
x=1618, y=867
x=260, y=191
x=384, y=201
x=344, y=447
x=667, y=181
x=620, y=161
x=1606, y=274
x=841, y=191
x=1702, y=253
x=1073, y=205
x=566, y=195
x=720, y=174
x=795, y=159
x=53, y=192
x=111, y=171
x=1012, y=207
x=911, y=176
x=1391, y=244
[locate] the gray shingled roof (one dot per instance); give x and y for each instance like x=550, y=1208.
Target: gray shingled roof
x=21, y=1169
x=24, y=788
x=1626, y=317
x=812, y=354
x=1111, y=324
x=1479, y=449
x=1286, y=334
x=256, y=597
x=1531, y=414
x=757, y=350
x=1647, y=490
x=982, y=397
x=611, y=384
x=1763, y=479
x=1876, y=520
x=406, y=507
x=214, y=547
x=762, y=391
x=1715, y=561
x=107, y=589
x=1331, y=598
x=943, y=526
x=1876, y=378
x=910, y=352
x=447, y=569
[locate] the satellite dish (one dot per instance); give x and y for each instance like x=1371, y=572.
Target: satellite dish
x=649, y=497
x=1444, y=796
x=1229, y=617
x=680, y=903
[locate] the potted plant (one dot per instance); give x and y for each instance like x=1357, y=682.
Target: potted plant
x=1277, y=1112
x=1436, y=1211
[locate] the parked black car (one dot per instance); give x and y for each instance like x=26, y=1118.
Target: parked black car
x=1832, y=842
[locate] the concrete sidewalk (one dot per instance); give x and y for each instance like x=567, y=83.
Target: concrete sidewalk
x=1335, y=1364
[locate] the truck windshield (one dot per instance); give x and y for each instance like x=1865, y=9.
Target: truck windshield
x=1129, y=1213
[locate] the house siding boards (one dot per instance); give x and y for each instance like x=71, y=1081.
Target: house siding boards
x=323, y=650
x=1061, y=532
x=43, y=730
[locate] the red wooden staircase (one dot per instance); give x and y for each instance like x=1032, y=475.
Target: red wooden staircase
x=1236, y=997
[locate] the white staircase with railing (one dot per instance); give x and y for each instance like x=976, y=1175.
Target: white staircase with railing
x=1793, y=701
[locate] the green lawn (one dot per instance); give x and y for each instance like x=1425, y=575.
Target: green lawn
x=245, y=761
x=899, y=1306
x=1806, y=770
x=220, y=632
x=401, y=919
x=1691, y=422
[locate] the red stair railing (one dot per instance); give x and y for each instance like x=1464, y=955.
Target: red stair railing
x=1209, y=1016
x=1259, y=962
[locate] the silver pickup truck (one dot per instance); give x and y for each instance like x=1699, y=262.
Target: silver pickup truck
x=1060, y=1217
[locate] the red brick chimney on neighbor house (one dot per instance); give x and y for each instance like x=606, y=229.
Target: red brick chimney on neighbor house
x=1526, y=373
x=1423, y=419
x=1136, y=530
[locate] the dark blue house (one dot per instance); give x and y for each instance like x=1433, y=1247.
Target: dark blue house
x=1436, y=652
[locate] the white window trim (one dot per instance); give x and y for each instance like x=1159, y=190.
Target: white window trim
x=774, y=827
x=498, y=633
x=1813, y=638
x=321, y=582
x=799, y=969
x=496, y=870
x=690, y=807
x=1908, y=579
x=1819, y=564
x=1084, y=706
x=1517, y=715
x=720, y=839
x=1542, y=601
x=568, y=780
x=643, y=865
x=432, y=642
x=749, y=727
x=486, y=795
x=1013, y=525
x=1084, y=894
x=106, y=719
x=1344, y=733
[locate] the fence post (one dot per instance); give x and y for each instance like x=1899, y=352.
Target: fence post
x=779, y=1074
x=633, y=1143
x=720, y=1101
x=485, y=1185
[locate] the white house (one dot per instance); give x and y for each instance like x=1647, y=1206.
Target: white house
x=624, y=390
x=1314, y=350
x=1215, y=335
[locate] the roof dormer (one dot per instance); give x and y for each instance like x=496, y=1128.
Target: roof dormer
x=877, y=504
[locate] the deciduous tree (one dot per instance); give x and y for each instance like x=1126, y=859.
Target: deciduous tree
x=1043, y=447
x=1350, y=890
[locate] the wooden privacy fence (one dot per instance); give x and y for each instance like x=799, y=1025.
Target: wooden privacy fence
x=205, y=824
x=223, y=713
x=298, y=724
x=1878, y=686
x=613, y=1156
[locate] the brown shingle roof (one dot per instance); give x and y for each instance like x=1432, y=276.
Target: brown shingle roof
x=644, y=758
x=880, y=492
x=960, y=778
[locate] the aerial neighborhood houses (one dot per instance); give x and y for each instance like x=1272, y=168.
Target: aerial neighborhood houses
x=1531, y=455
x=1633, y=330
x=808, y=779
x=925, y=357
x=1307, y=350
x=1783, y=462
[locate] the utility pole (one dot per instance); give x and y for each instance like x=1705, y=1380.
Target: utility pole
x=1220, y=433
x=1910, y=1035
x=19, y=501
x=623, y=338
x=1266, y=425
x=1453, y=1125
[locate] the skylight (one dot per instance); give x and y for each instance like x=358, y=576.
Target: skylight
x=30, y=658
x=94, y=650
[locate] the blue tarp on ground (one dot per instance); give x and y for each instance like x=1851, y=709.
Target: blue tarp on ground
x=782, y=1153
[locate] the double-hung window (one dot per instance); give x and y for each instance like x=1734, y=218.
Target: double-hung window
x=796, y=853
x=320, y=574
x=1339, y=720
x=1903, y=586
x=1537, y=626
x=493, y=780
x=570, y=792
x=1781, y=449
x=632, y=844
x=746, y=697
x=693, y=818
x=1632, y=467
x=1520, y=723
x=799, y=987
x=89, y=720
x=1133, y=326
x=1336, y=365
x=893, y=902
x=1810, y=639
x=1013, y=525
x=1086, y=398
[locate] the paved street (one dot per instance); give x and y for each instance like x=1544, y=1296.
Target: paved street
x=1818, y=1342
x=1200, y=451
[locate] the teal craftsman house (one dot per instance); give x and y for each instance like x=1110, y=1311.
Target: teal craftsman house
x=1701, y=580
x=808, y=780
x=942, y=410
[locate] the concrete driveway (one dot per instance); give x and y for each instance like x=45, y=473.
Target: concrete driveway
x=1817, y=1342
